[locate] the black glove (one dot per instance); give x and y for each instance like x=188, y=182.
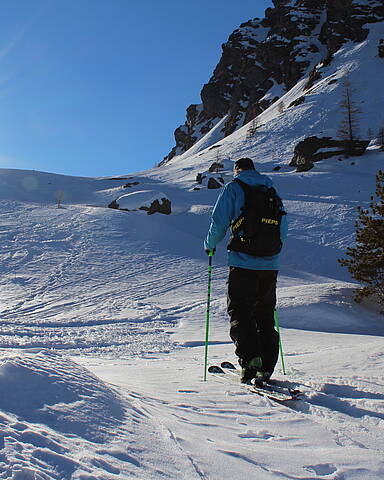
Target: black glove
x=207, y=251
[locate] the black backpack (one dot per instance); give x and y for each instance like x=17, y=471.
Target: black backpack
x=257, y=230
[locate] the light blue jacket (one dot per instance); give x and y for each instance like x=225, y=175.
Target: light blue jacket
x=227, y=209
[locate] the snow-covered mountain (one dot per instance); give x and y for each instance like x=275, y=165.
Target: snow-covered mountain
x=102, y=311
x=297, y=43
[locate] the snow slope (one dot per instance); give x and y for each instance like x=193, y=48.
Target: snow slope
x=319, y=115
x=102, y=317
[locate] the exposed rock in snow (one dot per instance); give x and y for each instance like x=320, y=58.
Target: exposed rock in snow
x=213, y=183
x=147, y=200
x=313, y=149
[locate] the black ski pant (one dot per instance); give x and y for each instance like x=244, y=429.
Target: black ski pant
x=250, y=305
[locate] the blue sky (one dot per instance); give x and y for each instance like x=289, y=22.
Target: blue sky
x=97, y=87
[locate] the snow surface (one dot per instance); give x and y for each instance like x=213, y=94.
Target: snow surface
x=143, y=198
x=102, y=322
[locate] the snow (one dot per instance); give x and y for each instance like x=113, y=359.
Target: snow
x=276, y=91
x=64, y=422
x=256, y=32
x=102, y=317
x=141, y=198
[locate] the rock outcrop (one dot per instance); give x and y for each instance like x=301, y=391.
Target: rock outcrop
x=147, y=200
x=266, y=57
x=158, y=206
x=314, y=149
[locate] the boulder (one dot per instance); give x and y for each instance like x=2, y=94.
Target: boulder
x=213, y=183
x=215, y=167
x=157, y=207
x=130, y=184
x=199, y=178
x=114, y=205
x=314, y=149
x=356, y=148
x=297, y=102
x=146, y=200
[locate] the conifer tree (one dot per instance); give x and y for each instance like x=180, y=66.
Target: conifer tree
x=349, y=127
x=366, y=262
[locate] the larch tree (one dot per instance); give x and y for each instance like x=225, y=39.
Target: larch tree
x=349, y=125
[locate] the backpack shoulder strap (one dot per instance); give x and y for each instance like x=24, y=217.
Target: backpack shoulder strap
x=242, y=184
x=250, y=189
x=247, y=189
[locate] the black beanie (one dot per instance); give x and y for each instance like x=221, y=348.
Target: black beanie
x=244, y=164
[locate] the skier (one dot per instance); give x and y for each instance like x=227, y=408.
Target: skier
x=252, y=279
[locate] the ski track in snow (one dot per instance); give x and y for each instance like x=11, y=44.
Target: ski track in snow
x=89, y=287
x=223, y=423
x=95, y=284
x=102, y=317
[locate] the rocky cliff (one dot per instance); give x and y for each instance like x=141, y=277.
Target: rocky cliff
x=265, y=58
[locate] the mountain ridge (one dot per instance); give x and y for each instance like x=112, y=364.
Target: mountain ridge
x=265, y=58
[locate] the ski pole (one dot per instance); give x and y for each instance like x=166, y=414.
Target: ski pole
x=207, y=315
x=280, y=342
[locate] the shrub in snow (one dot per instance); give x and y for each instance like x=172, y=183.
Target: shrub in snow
x=366, y=262
x=59, y=197
x=280, y=107
x=253, y=127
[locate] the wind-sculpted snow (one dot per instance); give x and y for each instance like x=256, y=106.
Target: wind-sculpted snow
x=48, y=389
x=60, y=422
x=84, y=288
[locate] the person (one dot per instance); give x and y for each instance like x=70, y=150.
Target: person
x=251, y=298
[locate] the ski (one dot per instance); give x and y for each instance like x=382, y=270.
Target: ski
x=270, y=384
x=264, y=390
